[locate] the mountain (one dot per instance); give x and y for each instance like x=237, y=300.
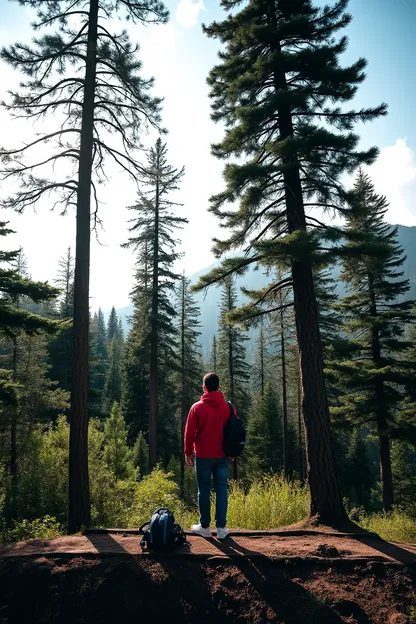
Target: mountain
x=209, y=300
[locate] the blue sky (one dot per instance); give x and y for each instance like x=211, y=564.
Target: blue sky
x=180, y=56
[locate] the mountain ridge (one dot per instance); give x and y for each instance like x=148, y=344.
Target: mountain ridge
x=209, y=299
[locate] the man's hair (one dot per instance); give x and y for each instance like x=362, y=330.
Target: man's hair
x=211, y=382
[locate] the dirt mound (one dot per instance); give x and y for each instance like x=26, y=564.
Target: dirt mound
x=310, y=579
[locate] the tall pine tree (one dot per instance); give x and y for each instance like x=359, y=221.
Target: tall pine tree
x=152, y=235
x=189, y=374
x=372, y=380
x=279, y=88
x=89, y=78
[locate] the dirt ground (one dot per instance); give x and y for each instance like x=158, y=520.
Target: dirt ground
x=312, y=578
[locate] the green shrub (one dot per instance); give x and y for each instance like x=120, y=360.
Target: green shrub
x=44, y=528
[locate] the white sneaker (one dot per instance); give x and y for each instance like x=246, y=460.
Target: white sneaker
x=222, y=533
x=199, y=530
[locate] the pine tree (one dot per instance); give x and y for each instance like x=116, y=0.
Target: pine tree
x=358, y=479
x=112, y=388
x=259, y=368
x=117, y=454
x=153, y=228
x=16, y=288
x=112, y=326
x=213, y=356
x=372, y=379
x=135, y=377
x=279, y=88
x=60, y=347
x=233, y=367
x=141, y=455
x=265, y=442
x=403, y=459
x=189, y=377
x=98, y=364
x=89, y=79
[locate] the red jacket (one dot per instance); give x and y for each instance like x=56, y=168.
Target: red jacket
x=205, y=426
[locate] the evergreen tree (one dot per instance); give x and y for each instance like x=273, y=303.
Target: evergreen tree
x=117, y=454
x=98, y=364
x=88, y=77
x=281, y=92
x=60, y=347
x=233, y=368
x=403, y=459
x=375, y=313
x=112, y=388
x=259, y=368
x=112, y=326
x=189, y=374
x=141, y=455
x=16, y=288
x=358, y=479
x=135, y=377
x=153, y=229
x=213, y=356
x=265, y=442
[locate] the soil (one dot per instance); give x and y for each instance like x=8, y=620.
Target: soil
x=308, y=577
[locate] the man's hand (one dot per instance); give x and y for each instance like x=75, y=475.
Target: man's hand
x=189, y=460
x=231, y=459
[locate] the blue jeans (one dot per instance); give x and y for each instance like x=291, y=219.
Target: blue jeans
x=219, y=470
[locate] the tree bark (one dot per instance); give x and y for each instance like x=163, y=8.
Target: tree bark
x=300, y=432
x=386, y=475
x=326, y=500
x=284, y=392
x=13, y=424
x=183, y=406
x=79, y=505
x=153, y=331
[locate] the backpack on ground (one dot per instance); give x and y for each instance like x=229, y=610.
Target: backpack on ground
x=234, y=435
x=161, y=532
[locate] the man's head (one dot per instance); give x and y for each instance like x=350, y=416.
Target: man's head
x=211, y=382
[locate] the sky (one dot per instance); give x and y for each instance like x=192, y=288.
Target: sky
x=179, y=56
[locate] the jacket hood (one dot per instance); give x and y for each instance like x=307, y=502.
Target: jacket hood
x=213, y=399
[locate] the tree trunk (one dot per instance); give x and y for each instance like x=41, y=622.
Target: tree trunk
x=326, y=500
x=183, y=406
x=13, y=424
x=284, y=392
x=386, y=475
x=300, y=432
x=231, y=368
x=79, y=505
x=154, y=333
x=262, y=360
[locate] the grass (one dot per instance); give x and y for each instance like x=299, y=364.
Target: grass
x=269, y=503
x=394, y=526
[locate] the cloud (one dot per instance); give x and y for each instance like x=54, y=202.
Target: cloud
x=394, y=175
x=187, y=12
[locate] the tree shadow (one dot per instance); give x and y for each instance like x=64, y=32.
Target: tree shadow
x=406, y=557
x=291, y=603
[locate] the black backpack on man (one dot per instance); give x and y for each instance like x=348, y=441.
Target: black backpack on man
x=234, y=439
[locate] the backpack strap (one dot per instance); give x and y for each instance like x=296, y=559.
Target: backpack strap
x=141, y=529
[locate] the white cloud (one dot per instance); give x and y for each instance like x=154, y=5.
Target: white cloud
x=187, y=12
x=394, y=175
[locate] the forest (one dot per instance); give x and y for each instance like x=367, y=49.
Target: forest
x=92, y=409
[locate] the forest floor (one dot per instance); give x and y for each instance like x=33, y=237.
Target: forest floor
x=290, y=577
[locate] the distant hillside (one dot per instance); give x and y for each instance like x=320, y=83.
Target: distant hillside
x=209, y=301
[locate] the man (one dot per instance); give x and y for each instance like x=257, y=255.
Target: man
x=204, y=434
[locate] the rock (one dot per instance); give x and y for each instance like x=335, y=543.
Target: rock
x=398, y=618
x=323, y=550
